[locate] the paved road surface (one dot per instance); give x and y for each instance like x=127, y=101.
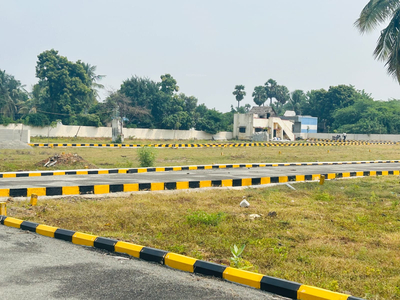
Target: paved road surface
x=37, y=267
x=192, y=175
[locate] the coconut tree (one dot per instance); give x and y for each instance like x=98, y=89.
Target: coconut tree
x=271, y=89
x=378, y=12
x=239, y=93
x=259, y=95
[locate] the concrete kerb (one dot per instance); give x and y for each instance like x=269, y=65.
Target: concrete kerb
x=281, y=287
x=177, y=168
x=222, y=145
x=184, y=185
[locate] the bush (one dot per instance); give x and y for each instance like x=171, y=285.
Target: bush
x=147, y=156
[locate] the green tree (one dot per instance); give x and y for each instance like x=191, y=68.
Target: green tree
x=378, y=12
x=271, y=87
x=12, y=96
x=65, y=87
x=93, y=78
x=297, y=100
x=239, y=93
x=168, y=84
x=259, y=95
x=282, y=94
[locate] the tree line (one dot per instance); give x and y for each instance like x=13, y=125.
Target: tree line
x=68, y=91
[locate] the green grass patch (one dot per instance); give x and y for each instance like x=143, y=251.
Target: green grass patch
x=343, y=236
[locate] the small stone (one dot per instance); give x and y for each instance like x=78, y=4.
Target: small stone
x=254, y=216
x=244, y=203
x=272, y=214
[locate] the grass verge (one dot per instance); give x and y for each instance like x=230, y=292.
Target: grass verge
x=20, y=160
x=342, y=236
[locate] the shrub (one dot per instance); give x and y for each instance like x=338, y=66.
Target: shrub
x=147, y=156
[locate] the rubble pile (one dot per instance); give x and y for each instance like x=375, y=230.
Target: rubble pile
x=66, y=159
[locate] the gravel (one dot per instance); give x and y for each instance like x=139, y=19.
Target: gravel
x=14, y=145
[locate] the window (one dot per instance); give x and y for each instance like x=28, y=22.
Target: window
x=242, y=129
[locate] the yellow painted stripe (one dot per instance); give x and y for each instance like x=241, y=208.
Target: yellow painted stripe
x=157, y=186
x=331, y=176
x=9, y=175
x=283, y=179
x=249, y=166
x=123, y=171
x=396, y=172
x=59, y=173
x=235, y=166
x=300, y=178
x=306, y=292
x=85, y=239
x=192, y=167
x=160, y=169
x=131, y=187
x=207, y=167
x=226, y=182
x=46, y=230
x=182, y=185
x=142, y=170
x=372, y=173
x=177, y=168
x=128, y=248
x=359, y=173
x=104, y=171
x=275, y=165
x=70, y=190
x=205, y=183
x=243, y=277
x=246, y=181
x=346, y=174
x=12, y=222
x=4, y=192
x=37, y=191
x=180, y=262
x=69, y=145
x=265, y=180
x=316, y=176
x=385, y=173
x=101, y=189
x=35, y=174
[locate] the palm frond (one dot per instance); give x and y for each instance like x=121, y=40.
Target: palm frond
x=375, y=13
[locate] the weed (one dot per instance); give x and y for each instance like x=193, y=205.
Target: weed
x=201, y=217
x=147, y=156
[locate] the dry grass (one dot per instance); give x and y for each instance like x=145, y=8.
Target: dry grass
x=14, y=160
x=343, y=236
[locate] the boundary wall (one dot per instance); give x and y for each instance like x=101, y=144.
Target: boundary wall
x=61, y=130
x=14, y=134
x=352, y=136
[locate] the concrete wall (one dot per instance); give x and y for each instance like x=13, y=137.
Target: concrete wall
x=13, y=134
x=354, y=137
x=106, y=132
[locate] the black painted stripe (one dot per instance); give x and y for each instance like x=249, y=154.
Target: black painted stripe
x=308, y=177
x=22, y=192
x=2, y=219
x=216, y=183
x=280, y=287
x=115, y=188
x=255, y=181
x=86, y=189
x=54, y=191
x=144, y=186
x=22, y=174
x=210, y=269
x=194, y=184
x=170, y=185
x=275, y=179
x=292, y=178
x=152, y=254
x=237, y=182
x=26, y=225
x=105, y=243
x=64, y=234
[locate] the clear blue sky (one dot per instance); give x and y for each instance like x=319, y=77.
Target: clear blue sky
x=207, y=46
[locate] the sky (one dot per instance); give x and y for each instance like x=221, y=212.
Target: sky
x=208, y=46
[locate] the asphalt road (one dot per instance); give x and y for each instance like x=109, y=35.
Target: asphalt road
x=37, y=267
x=192, y=175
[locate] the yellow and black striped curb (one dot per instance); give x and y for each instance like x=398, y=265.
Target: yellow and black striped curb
x=227, y=145
x=180, y=185
x=181, y=168
x=285, y=288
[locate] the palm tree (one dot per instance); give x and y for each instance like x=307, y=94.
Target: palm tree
x=387, y=49
x=270, y=89
x=296, y=100
x=93, y=78
x=282, y=94
x=259, y=95
x=239, y=93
